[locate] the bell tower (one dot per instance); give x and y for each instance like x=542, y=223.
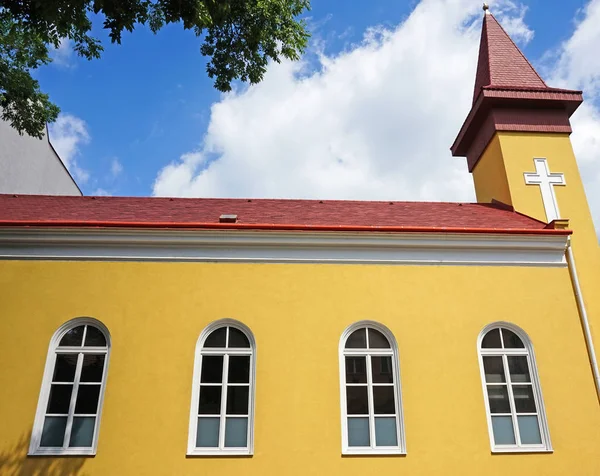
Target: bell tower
x=516, y=137
x=516, y=142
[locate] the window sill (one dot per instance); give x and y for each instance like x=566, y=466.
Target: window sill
x=62, y=452
x=374, y=452
x=220, y=453
x=521, y=450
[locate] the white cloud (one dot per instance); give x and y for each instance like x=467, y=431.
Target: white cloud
x=63, y=55
x=376, y=121
x=67, y=135
x=512, y=18
x=577, y=65
x=115, y=168
x=100, y=192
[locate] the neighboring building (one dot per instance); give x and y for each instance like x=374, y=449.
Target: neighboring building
x=305, y=337
x=32, y=166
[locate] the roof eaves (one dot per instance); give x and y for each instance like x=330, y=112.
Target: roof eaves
x=279, y=227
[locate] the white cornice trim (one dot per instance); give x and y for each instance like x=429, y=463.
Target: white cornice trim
x=282, y=247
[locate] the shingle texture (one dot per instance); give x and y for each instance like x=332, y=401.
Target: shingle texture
x=163, y=212
x=501, y=63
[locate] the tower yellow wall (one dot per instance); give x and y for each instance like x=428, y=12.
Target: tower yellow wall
x=489, y=175
x=499, y=175
x=297, y=312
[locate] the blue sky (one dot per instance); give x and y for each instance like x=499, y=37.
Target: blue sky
x=150, y=121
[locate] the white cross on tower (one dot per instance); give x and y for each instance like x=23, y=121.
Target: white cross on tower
x=546, y=181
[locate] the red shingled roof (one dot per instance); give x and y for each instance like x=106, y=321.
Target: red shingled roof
x=501, y=63
x=41, y=210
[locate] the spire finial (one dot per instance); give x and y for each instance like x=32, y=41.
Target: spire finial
x=486, y=8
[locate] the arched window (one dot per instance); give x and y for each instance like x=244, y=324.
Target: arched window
x=221, y=417
x=70, y=404
x=515, y=409
x=370, y=391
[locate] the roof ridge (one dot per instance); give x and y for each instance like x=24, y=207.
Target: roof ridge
x=238, y=199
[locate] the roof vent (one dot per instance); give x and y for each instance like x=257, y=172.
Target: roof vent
x=228, y=218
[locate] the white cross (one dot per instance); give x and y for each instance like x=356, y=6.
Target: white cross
x=546, y=181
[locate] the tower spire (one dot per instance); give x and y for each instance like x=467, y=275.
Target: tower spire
x=501, y=63
x=509, y=95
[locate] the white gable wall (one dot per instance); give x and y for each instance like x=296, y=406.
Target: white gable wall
x=31, y=166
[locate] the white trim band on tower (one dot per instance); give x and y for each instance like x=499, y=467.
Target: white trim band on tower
x=283, y=247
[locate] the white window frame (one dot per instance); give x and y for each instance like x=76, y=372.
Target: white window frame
x=518, y=447
x=192, y=450
x=38, y=424
x=400, y=449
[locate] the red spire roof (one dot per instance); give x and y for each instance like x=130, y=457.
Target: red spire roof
x=509, y=96
x=501, y=63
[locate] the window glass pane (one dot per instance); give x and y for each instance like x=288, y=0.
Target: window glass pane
x=356, y=370
x=59, y=399
x=385, y=431
x=239, y=369
x=212, y=369
x=236, y=432
x=381, y=367
x=64, y=369
x=237, y=339
x=383, y=400
x=511, y=340
x=207, y=433
x=503, y=430
x=87, y=399
x=73, y=337
x=498, y=398
x=92, y=368
x=210, y=400
x=237, y=400
x=358, y=432
x=492, y=340
x=377, y=340
x=216, y=338
x=82, y=432
x=518, y=368
x=524, y=402
x=529, y=430
x=53, y=432
x=493, y=368
x=356, y=399
x=94, y=337
x=357, y=340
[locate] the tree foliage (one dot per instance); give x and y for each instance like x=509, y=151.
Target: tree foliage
x=239, y=38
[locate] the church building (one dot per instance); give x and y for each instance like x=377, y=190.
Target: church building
x=175, y=336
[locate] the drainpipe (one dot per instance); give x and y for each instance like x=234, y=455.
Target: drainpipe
x=583, y=316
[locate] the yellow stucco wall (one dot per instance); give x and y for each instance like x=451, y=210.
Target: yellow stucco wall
x=156, y=311
x=508, y=156
x=519, y=150
x=489, y=175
